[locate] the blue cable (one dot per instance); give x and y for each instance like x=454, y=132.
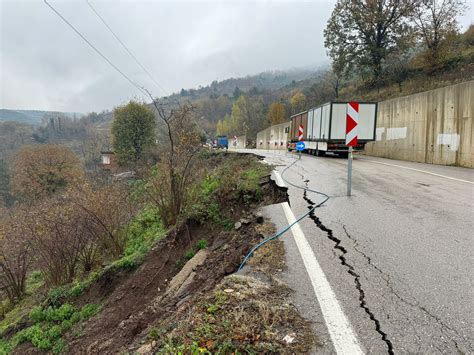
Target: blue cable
x=292, y=224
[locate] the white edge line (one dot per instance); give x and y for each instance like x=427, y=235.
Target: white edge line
x=339, y=327
x=420, y=171
x=278, y=179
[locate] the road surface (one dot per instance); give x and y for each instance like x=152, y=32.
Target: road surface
x=397, y=254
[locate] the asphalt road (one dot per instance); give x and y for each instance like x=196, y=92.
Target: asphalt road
x=398, y=253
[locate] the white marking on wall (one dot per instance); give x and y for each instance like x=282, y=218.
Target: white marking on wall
x=340, y=330
x=396, y=133
x=449, y=139
x=379, y=133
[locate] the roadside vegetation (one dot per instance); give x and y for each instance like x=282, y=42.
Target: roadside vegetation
x=68, y=231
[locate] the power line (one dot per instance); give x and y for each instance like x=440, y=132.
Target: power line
x=126, y=48
x=95, y=49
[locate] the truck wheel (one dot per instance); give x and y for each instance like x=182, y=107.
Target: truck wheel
x=344, y=155
x=320, y=153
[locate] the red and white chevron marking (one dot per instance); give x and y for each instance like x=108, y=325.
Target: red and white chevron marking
x=352, y=119
x=300, y=133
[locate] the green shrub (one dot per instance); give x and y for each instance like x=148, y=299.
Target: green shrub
x=209, y=185
x=145, y=229
x=153, y=334
x=190, y=254
x=5, y=347
x=27, y=334
x=37, y=315
x=56, y=296
x=54, y=332
x=59, y=347
x=89, y=310
x=76, y=317
x=67, y=324
x=201, y=244
x=50, y=324
x=59, y=314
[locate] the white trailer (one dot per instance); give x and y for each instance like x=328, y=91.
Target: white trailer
x=326, y=127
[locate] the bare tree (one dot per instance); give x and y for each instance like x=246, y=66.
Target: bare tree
x=171, y=179
x=15, y=256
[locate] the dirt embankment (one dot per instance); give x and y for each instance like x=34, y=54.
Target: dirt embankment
x=134, y=302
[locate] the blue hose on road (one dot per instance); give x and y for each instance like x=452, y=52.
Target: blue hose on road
x=279, y=233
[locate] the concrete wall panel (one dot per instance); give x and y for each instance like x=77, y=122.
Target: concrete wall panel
x=274, y=137
x=430, y=127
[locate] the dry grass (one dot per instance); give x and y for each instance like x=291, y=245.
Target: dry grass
x=242, y=314
x=270, y=258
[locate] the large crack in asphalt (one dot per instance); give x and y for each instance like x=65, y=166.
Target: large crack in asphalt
x=350, y=270
x=443, y=326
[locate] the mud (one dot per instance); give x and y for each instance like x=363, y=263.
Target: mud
x=133, y=302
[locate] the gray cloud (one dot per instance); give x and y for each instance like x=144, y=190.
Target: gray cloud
x=45, y=65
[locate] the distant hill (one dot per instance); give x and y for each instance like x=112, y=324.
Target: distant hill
x=266, y=81
x=33, y=117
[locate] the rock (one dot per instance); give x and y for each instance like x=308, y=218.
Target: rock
x=245, y=221
x=237, y=225
x=187, y=271
x=228, y=290
x=145, y=349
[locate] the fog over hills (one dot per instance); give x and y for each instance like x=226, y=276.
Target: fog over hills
x=33, y=117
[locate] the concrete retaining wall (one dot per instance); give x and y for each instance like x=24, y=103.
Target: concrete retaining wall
x=273, y=137
x=430, y=127
x=240, y=143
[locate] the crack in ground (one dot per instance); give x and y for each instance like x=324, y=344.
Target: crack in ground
x=350, y=270
x=416, y=305
x=443, y=326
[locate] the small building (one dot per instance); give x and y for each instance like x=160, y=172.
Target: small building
x=108, y=160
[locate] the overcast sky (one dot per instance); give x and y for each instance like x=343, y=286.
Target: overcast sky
x=46, y=66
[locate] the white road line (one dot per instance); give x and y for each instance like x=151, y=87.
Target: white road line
x=340, y=330
x=278, y=178
x=420, y=171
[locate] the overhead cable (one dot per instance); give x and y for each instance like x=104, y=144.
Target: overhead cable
x=126, y=48
x=95, y=49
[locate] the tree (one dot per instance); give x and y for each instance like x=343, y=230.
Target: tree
x=43, y=170
x=398, y=69
x=133, y=130
x=169, y=185
x=237, y=92
x=362, y=33
x=6, y=199
x=15, y=256
x=298, y=102
x=276, y=113
x=435, y=21
x=247, y=116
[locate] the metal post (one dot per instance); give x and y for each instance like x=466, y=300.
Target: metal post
x=349, y=172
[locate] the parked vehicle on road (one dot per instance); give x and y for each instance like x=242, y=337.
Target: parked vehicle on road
x=324, y=128
x=222, y=142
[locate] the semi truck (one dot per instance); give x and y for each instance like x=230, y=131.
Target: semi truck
x=324, y=128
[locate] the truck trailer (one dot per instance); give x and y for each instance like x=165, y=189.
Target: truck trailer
x=222, y=142
x=324, y=128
